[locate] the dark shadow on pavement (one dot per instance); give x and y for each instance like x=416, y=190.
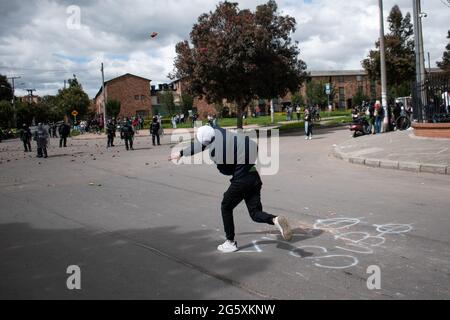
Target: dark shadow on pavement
x=154, y=263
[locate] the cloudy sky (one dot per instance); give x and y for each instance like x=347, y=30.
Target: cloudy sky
x=42, y=42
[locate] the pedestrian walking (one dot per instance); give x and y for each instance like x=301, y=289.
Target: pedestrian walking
x=135, y=124
x=25, y=137
x=41, y=137
x=379, y=116
x=298, y=111
x=154, y=131
x=308, y=124
x=245, y=183
x=371, y=114
x=174, y=122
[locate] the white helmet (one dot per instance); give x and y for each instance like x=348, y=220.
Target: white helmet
x=205, y=135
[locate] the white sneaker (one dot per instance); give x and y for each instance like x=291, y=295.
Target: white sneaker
x=310, y=137
x=306, y=138
x=228, y=247
x=283, y=226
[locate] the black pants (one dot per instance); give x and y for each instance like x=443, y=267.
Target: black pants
x=157, y=139
x=248, y=189
x=129, y=143
x=63, y=141
x=42, y=152
x=27, y=145
x=110, y=140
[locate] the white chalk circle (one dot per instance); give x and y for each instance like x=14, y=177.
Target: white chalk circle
x=336, y=223
x=392, y=228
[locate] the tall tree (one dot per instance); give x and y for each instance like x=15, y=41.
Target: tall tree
x=445, y=63
x=6, y=114
x=239, y=55
x=73, y=98
x=400, y=59
x=187, y=102
x=113, y=108
x=316, y=94
x=297, y=99
x=5, y=89
x=167, y=101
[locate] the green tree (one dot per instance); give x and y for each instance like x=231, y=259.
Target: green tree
x=316, y=94
x=400, y=59
x=6, y=114
x=5, y=89
x=359, y=97
x=240, y=55
x=113, y=108
x=73, y=98
x=297, y=99
x=445, y=63
x=187, y=102
x=167, y=101
x=25, y=113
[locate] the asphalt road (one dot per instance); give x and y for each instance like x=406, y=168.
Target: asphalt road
x=140, y=227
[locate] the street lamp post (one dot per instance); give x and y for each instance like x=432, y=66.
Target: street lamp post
x=418, y=44
x=382, y=60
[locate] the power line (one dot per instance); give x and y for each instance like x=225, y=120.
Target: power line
x=44, y=70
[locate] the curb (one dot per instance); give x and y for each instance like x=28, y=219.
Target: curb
x=390, y=164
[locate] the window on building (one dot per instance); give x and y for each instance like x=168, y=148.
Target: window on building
x=136, y=97
x=341, y=79
x=359, y=78
x=142, y=97
x=360, y=88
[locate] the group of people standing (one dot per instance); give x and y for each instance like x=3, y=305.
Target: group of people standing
x=128, y=129
x=375, y=115
x=42, y=136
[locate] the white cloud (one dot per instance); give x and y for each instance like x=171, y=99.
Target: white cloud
x=36, y=43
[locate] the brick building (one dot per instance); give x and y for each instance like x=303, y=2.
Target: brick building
x=133, y=93
x=346, y=84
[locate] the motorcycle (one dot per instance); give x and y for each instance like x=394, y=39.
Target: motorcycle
x=360, y=126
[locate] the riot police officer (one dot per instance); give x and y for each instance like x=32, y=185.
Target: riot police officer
x=25, y=136
x=64, y=132
x=111, y=133
x=41, y=137
x=127, y=134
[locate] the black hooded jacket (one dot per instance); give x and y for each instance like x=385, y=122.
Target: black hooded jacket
x=234, y=154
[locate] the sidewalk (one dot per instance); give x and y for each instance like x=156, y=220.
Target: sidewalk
x=399, y=150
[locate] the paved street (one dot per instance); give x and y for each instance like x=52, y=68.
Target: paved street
x=141, y=227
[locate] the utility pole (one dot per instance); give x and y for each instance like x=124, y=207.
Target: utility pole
x=14, y=100
x=104, y=97
x=383, y=60
x=418, y=47
x=271, y=111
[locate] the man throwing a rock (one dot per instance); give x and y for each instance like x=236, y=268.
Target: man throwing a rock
x=235, y=155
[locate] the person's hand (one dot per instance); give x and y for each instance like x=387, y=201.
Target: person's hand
x=176, y=157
